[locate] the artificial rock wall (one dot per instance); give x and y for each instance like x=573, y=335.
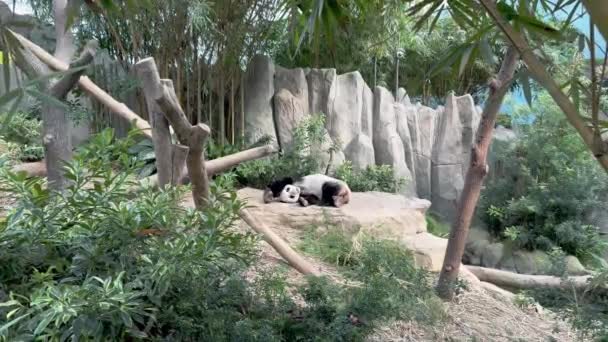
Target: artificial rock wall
x=430, y=147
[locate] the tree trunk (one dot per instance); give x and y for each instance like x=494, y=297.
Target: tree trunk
x=221, y=107
x=475, y=176
x=56, y=125
x=161, y=135
x=540, y=74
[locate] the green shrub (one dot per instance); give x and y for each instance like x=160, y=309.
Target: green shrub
x=98, y=263
x=302, y=157
x=436, y=227
x=552, y=183
x=391, y=286
x=372, y=178
x=22, y=137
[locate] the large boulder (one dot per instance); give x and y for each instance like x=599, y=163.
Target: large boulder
x=259, y=85
x=293, y=80
x=344, y=119
x=321, y=90
x=447, y=175
x=424, y=137
x=361, y=152
x=388, y=146
x=402, y=97
x=288, y=112
x=377, y=214
x=403, y=130
x=469, y=120
x=367, y=112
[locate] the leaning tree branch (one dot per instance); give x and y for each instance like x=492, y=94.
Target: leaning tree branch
x=87, y=85
x=542, y=76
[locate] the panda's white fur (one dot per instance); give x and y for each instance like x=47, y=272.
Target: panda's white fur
x=312, y=189
x=290, y=194
x=313, y=184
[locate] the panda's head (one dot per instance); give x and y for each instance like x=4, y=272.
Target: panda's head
x=290, y=194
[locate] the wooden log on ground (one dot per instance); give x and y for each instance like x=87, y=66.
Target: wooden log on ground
x=526, y=281
x=87, y=85
x=292, y=257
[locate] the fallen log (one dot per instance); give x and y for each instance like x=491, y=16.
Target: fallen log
x=87, y=85
x=526, y=281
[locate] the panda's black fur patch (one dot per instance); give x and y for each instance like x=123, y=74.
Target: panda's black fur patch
x=329, y=190
x=277, y=186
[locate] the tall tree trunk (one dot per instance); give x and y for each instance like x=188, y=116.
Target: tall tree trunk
x=221, y=108
x=56, y=126
x=232, y=111
x=541, y=75
x=476, y=173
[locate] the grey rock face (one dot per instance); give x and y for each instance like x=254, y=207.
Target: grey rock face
x=446, y=170
x=293, y=80
x=425, y=136
x=403, y=130
x=387, y=142
x=321, y=90
x=361, y=152
x=344, y=120
x=288, y=112
x=259, y=93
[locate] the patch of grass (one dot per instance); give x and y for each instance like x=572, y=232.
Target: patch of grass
x=436, y=227
x=391, y=287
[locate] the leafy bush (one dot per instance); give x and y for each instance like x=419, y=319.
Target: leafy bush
x=436, y=227
x=22, y=136
x=551, y=186
x=391, y=286
x=98, y=263
x=372, y=178
x=302, y=157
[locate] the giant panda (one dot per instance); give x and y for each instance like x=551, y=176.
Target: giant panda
x=313, y=189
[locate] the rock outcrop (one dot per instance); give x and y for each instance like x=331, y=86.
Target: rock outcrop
x=259, y=93
x=480, y=250
x=378, y=214
x=429, y=147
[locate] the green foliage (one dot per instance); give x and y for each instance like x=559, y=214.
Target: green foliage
x=97, y=263
x=300, y=158
x=436, y=227
x=551, y=186
x=79, y=264
x=391, y=286
x=372, y=178
x=22, y=137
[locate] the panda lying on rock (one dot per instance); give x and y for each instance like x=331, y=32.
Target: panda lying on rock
x=312, y=189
